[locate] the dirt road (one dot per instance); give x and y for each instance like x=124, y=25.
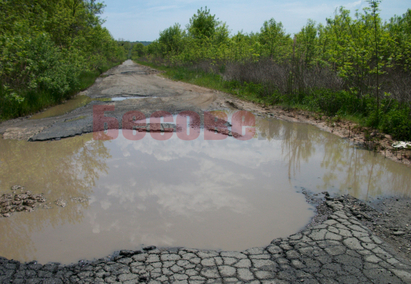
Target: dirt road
x=133, y=87
x=337, y=248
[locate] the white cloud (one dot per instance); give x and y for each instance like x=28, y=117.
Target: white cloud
x=353, y=5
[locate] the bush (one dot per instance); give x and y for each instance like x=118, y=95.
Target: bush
x=341, y=68
x=34, y=65
x=46, y=49
x=397, y=122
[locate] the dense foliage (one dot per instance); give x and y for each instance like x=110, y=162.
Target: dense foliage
x=351, y=66
x=49, y=50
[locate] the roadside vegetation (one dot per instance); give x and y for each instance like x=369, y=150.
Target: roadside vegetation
x=49, y=50
x=354, y=67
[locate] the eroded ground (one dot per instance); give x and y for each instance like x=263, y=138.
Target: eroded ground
x=145, y=92
x=349, y=241
x=340, y=250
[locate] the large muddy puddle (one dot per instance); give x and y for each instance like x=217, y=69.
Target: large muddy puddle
x=228, y=194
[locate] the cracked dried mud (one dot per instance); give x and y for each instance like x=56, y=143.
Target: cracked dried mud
x=349, y=240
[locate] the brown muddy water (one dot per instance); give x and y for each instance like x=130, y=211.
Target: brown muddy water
x=72, y=104
x=76, y=102
x=227, y=194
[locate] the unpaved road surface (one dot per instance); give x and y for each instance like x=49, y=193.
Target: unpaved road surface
x=337, y=247
x=149, y=93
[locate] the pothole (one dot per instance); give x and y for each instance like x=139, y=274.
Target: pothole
x=132, y=97
x=133, y=72
x=208, y=194
x=68, y=106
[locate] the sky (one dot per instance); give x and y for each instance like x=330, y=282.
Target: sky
x=137, y=20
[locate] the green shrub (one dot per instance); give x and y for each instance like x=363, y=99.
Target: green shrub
x=48, y=52
x=397, y=122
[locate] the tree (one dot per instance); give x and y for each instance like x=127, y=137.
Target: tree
x=276, y=41
x=138, y=50
x=374, y=9
x=203, y=24
x=399, y=28
x=221, y=34
x=307, y=43
x=45, y=46
x=171, y=39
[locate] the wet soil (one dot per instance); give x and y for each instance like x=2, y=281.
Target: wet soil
x=339, y=250
x=19, y=202
x=159, y=206
x=362, y=136
x=387, y=217
x=154, y=93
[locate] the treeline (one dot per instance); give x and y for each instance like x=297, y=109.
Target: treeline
x=134, y=49
x=357, y=67
x=49, y=51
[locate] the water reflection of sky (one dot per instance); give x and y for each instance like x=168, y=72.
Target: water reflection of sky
x=174, y=187
x=227, y=194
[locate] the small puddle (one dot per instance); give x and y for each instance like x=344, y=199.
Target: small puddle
x=70, y=105
x=130, y=98
x=80, y=101
x=133, y=72
x=227, y=194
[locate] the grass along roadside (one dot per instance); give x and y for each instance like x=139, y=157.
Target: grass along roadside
x=339, y=113
x=39, y=99
x=209, y=80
